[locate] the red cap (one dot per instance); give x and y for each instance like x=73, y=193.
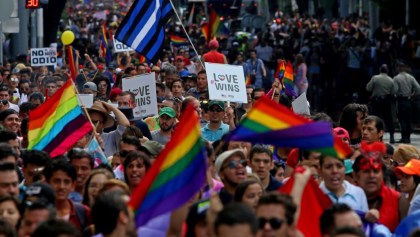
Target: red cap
x=179, y=57
x=214, y=44
x=341, y=133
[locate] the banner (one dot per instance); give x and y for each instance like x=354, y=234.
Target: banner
x=43, y=57
x=226, y=82
x=120, y=47
x=144, y=89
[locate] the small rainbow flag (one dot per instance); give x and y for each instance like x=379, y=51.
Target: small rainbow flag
x=214, y=23
x=248, y=80
x=340, y=150
x=104, y=51
x=205, y=30
x=71, y=62
x=177, y=174
x=280, y=70
x=56, y=125
x=269, y=122
x=178, y=40
x=287, y=82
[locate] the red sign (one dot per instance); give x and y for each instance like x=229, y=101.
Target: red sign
x=32, y=4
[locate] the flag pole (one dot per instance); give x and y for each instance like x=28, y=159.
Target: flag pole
x=186, y=33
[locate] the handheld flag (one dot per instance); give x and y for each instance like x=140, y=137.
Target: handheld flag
x=178, y=40
x=288, y=81
x=104, y=51
x=280, y=70
x=143, y=27
x=96, y=150
x=176, y=175
x=71, y=62
x=56, y=125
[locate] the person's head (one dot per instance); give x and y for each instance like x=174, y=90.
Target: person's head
x=383, y=69
x=230, y=165
x=177, y=88
x=24, y=86
x=252, y=54
x=369, y=168
x=56, y=228
x=135, y=166
x=333, y=173
x=113, y=206
x=300, y=59
x=261, y=161
x=90, y=88
x=216, y=111
x=167, y=119
x=10, y=120
x=100, y=117
x=60, y=80
x=83, y=162
x=50, y=86
x=249, y=192
x=236, y=220
x=127, y=144
x=36, y=98
x=342, y=133
x=373, y=129
x=171, y=74
x=213, y=44
x=4, y=92
x=348, y=231
x=34, y=214
x=202, y=80
x=6, y=229
x=275, y=213
x=352, y=117
x=25, y=108
x=404, y=153
x=409, y=176
x=126, y=99
x=141, y=69
x=9, y=210
x=34, y=161
x=257, y=93
x=94, y=183
x=9, y=146
x=194, y=102
x=179, y=62
x=104, y=86
x=61, y=175
x=9, y=180
x=114, y=185
x=337, y=216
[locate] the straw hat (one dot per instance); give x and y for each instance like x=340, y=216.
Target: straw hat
x=99, y=108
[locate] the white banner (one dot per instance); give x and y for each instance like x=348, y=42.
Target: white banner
x=43, y=57
x=144, y=88
x=226, y=82
x=120, y=47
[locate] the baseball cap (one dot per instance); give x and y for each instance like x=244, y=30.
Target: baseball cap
x=213, y=44
x=179, y=57
x=221, y=104
x=153, y=147
x=168, y=111
x=341, y=133
x=225, y=155
x=411, y=168
x=90, y=85
x=40, y=190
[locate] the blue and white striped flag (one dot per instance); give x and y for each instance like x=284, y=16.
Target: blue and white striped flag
x=143, y=28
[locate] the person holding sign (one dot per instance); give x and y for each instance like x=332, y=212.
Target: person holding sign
x=215, y=129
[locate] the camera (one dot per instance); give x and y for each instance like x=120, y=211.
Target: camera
x=4, y=102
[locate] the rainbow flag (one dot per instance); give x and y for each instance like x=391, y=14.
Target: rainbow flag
x=104, y=51
x=340, y=149
x=56, y=125
x=177, y=174
x=248, y=80
x=71, y=62
x=269, y=122
x=214, y=23
x=178, y=40
x=287, y=82
x=280, y=70
x=205, y=30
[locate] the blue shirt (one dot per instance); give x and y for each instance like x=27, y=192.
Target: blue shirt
x=214, y=135
x=353, y=196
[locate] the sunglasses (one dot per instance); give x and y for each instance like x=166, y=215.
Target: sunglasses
x=234, y=163
x=124, y=153
x=275, y=223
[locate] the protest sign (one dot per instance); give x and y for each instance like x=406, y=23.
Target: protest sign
x=120, y=47
x=300, y=105
x=43, y=57
x=86, y=100
x=144, y=89
x=226, y=82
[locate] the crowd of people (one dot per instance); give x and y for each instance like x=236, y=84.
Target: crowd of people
x=352, y=75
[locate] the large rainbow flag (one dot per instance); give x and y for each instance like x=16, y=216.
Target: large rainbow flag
x=177, y=174
x=288, y=80
x=59, y=123
x=271, y=123
x=214, y=23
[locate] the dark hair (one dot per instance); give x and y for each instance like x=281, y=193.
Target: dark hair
x=132, y=140
x=77, y=154
x=6, y=229
x=7, y=135
x=242, y=187
x=322, y=117
x=236, y=214
x=35, y=157
x=36, y=96
x=282, y=199
x=25, y=71
x=136, y=155
x=322, y=158
x=26, y=107
x=327, y=219
x=260, y=149
x=60, y=164
x=48, y=80
x=187, y=100
x=6, y=150
x=176, y=80
x=13, y=199
x=201, y=72
x=56, y=228
x=379, y=123
x=257, y=90
x=132, y=96
x=348, y=230
x=160, y=85
x=108, y=204
x=383, y=68
x=348, y=118
x=41, y=204
x=107, y=173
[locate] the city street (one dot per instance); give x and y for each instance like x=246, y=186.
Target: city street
x=415, y=139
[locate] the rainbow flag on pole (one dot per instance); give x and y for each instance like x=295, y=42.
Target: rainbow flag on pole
x=271, y=123
x=71, y=62
x=288, y=80
x=56, y=125
x=280, y=70
x=177, y=174
x=104, y=51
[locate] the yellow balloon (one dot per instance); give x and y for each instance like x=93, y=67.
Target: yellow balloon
x=67, y=37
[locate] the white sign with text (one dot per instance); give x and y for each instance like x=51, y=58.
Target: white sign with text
x=144, y=89
x=43, y=57
x=226, y=82
x=120, y=47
